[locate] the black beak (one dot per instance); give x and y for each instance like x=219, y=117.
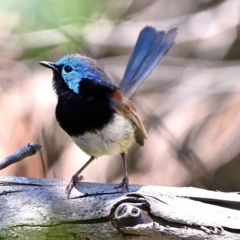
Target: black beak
x=48, y=65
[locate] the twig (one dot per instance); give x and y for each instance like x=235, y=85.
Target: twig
x=28, y=150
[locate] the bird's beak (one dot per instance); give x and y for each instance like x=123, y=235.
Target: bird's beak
x=48, y=65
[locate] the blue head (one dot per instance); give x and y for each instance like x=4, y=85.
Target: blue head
x=72, y=69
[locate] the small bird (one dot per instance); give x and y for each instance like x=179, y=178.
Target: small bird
x=97, y=114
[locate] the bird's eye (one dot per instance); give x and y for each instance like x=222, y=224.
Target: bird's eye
x=68, y=69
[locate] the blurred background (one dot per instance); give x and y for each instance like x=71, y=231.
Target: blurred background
x=190, y=104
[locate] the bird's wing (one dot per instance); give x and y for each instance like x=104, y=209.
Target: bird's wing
x=150, y=48
x=125, y=108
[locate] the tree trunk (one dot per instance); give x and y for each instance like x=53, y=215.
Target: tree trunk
x=39, y=209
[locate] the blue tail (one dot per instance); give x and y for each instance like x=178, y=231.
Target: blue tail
x=150, y=48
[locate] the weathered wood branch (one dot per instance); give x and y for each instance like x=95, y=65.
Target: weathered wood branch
x=26, y=151
x=39, y=209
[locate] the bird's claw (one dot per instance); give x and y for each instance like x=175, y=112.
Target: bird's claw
x=69, y=188
x=72, y=184
x=124, y=185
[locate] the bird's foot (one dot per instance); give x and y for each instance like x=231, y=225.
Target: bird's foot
x=72, y=184
x=124, y=185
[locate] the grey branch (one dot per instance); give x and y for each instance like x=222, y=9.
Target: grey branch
x=39, y=209
x=28, y=150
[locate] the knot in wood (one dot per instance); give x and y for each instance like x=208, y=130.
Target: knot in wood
x=129, y=215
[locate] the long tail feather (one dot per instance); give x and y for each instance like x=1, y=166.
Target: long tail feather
x=150, y=48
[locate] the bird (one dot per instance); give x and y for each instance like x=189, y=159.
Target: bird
x=97, y=114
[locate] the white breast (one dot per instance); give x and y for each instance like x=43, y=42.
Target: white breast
x=113, y=139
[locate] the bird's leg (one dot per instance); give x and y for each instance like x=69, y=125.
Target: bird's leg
x=125, y=182
x=75, y=179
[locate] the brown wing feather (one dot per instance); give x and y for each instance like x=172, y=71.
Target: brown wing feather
x=125, y=108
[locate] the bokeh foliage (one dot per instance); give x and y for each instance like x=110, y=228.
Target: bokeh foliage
x=190, y=103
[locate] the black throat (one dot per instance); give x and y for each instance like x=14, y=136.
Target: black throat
x=87, y=111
